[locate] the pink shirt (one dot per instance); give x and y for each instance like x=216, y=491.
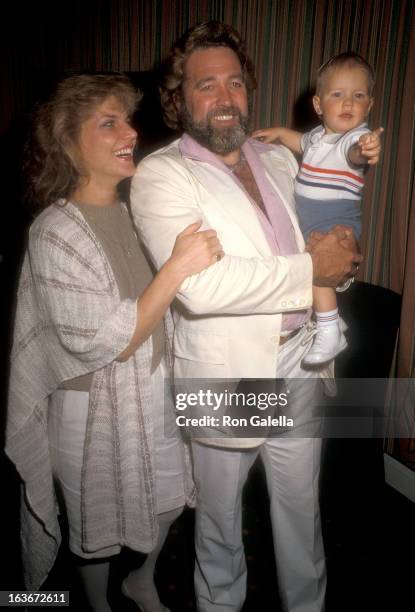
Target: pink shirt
x=278, y=230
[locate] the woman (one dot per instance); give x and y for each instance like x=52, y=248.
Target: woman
x=86, y=411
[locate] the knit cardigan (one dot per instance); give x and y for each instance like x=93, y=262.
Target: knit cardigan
x=70, y=321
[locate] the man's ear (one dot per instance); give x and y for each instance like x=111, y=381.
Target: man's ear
x=316, y=104
x=177, y=100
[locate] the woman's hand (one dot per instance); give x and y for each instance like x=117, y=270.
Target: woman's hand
x=195, y=250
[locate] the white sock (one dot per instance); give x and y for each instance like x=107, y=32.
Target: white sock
x=325, y=319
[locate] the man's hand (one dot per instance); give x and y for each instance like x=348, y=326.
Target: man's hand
x=345, y=234
x=335, y=256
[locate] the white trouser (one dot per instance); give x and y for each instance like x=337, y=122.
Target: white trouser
x=292, y=470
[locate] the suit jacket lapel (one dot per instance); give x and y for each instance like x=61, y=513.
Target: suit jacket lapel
x=232, y=204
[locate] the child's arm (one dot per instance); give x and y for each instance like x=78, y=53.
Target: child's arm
x=287, y=137
x=367, y=149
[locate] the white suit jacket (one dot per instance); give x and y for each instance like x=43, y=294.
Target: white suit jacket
x=228, y=317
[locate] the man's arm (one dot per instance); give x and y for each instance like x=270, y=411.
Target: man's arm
x=163, y=202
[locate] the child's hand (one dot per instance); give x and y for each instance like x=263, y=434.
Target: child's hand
x=267, y=135
x=285, y=136
x=370, y=146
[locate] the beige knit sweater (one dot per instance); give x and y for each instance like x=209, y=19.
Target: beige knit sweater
x=70, y=321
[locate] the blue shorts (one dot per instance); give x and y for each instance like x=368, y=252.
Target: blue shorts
x=322, y=215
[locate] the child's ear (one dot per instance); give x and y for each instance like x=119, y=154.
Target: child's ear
x=316, y=104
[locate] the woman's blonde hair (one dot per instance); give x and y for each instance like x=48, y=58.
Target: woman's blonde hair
x=52, y=166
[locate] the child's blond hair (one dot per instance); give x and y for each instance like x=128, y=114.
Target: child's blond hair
x=345, y=60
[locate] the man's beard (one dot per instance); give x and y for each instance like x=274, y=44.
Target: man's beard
x=221, y=141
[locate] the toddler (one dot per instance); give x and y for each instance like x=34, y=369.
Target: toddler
x=329, y=183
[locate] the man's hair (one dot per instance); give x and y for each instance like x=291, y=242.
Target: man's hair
x=203, y=36
x=52, y=162
x=345, y=60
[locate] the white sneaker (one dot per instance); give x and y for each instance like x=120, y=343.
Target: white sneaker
x=328, y=342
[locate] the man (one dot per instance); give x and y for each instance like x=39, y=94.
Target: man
x=245, y=317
